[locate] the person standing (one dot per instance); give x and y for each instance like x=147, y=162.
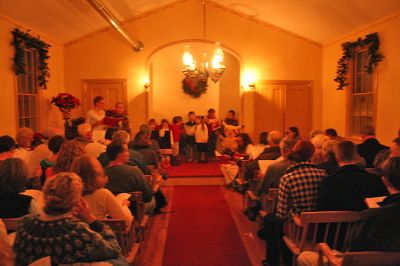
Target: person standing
x=176, y=129
x=189, y=136
x=231, y=119
x=96, y=115
x=166, y=143
x=213, y=124
x=119, y=113
x=201, y=137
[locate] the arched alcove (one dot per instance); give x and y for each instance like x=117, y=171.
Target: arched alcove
x=166, y=97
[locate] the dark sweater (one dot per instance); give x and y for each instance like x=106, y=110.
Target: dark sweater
x=14, y=206
x=126, y=179
x=66, y=241
x=379, y=228
x=347, y=189
x=368, y=150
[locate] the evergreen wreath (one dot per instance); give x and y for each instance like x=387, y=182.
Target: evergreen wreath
x=194, y=87
x=24, y=40
x=372, y=42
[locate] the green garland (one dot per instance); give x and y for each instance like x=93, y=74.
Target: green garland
x=374, y=56
x=24, y=40
x=194, y=87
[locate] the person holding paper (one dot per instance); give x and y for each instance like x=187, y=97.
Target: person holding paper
x=96, y=115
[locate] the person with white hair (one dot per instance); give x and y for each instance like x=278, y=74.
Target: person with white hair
x=318, y=140
x=84, y=140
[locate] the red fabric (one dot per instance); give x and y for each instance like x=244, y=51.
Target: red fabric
x=176, y=132
x=201, y=230
x=211, y=169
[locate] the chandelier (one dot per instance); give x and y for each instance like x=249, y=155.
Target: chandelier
x=202, y=71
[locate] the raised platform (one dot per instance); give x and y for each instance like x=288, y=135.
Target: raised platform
x=195, y=174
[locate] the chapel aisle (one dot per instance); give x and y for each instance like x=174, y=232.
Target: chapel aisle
x=201, y=229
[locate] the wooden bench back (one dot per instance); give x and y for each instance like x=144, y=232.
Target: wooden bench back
x=269, y=200
x=126, y=238
x=304, y=232
x=11, y=223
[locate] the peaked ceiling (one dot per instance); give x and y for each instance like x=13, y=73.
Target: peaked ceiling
x=318, y=20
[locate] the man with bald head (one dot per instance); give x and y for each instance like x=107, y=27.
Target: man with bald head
x=272, y=152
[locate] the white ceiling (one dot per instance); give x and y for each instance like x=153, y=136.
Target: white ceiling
x=318, y=20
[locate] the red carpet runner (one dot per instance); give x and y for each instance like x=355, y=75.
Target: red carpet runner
x=201, y=230
x=211, y=169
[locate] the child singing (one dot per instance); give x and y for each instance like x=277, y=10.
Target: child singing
x=201, y=137
x=166, y=143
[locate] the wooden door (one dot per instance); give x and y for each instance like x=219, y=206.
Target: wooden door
x=269, y=108
x=113, y=91
x=298, y=107
x=281, y=104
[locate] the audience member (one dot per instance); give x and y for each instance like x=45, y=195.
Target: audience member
x=347, y=188
x=256, y=149
x=7, y=146
x=124, y=178
x=68, y=152
x=370, y=146
x=96, y=115
x=272, y=152
x=141, y=144
x=85, y=135
x=332, y=134
x=318, y=141
x=329, y=163
x=298, y=192
x=102, y=202
x=293, y=132
x=276, y=170
x=231, y=119
x=395, y=148
x=153, y=144
x=314, y=133
x=245, y=143
x=24, y=140
x=13, y=179
x=42, y=151
x=71, y=241
x=201, y=138
x=54, y=145
x=378, y=230
x=135, y=158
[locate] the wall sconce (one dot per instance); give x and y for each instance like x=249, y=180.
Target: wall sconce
x=249, y=81
x=146, y=82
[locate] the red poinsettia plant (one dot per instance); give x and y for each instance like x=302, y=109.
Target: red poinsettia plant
x=66, y=101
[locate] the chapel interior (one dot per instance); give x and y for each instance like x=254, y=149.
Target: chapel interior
x=273, y=67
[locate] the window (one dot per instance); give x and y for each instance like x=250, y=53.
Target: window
x=27, y=92
x=362, y=94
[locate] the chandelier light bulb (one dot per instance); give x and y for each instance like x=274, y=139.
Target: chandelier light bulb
x=188, y=57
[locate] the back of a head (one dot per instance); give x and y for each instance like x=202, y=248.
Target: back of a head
x=368, y=130
x=346, y=151
x=392, y=171
x=263, y=138
x=91, y=172
x=114, y=149
x=331, y=132
x=314, y=133
x=51, y=132
x=287, y=144
x=329, y=149
x=301, y=152
x=7, y=143
x=84, y=130
x=296, y=131
x=145, y=129
x=122, y=136
x=246, y=139
x=68, y=152
x=275, y=137
x=55, y=143
x=61, y=193
x=13, y=176
x=319, y=140
x=23, y=134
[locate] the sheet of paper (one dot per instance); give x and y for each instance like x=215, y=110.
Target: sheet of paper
x=373, y=202
x=263, y=164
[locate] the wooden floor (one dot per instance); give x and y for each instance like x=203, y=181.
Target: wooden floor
x=152, y=250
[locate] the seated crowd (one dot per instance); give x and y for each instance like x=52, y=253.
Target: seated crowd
x=322, y=173
x=51, y=185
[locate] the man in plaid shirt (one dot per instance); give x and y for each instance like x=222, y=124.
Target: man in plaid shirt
x=298, y=192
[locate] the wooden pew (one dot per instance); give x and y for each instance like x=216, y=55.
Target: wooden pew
x=305, y=231
x=11, y=223
x=126, y=238
x=366, y=258
x=141, y=217
x=268, y=202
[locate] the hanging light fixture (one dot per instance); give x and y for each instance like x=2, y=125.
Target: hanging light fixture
x=214, y=70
